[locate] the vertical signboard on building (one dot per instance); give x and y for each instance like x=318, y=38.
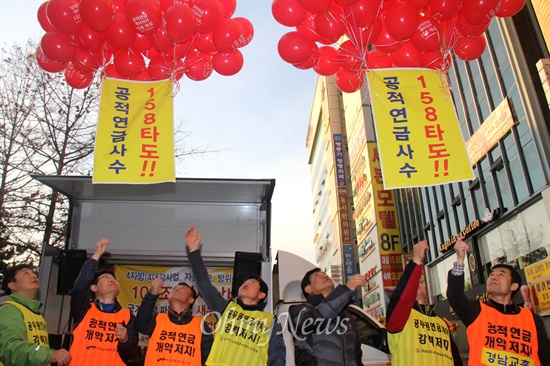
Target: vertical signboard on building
x=389, y=240
x=343, y=204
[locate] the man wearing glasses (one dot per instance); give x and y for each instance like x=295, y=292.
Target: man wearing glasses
x=104, y=333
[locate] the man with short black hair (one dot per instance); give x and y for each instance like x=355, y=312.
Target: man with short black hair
x=23, y=330
x=497, y=329
x=324, y=331
x=192, y=338
x=104, y=332
x=245, y=334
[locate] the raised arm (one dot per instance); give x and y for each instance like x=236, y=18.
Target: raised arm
x=145, y=318
x=213, y=299
x=466, y=310
x=403, y=298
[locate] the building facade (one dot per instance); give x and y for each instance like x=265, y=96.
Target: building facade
x=504, y=212
x=334, y=232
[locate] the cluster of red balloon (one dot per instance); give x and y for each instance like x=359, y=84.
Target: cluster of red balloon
x=141, y=39
x=383, y=34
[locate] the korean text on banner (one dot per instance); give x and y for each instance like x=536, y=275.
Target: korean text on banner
x=135, y=133
x=135, y=281
x=418, y=134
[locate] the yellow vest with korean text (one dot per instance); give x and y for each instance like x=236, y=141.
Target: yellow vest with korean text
x=496, y=338
x=241, y=337
x=95, y=341
x=425, y=340
x=175, y=344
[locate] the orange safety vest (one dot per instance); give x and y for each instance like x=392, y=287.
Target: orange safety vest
x=496, y=338
x=175, y=344
x=95, y=341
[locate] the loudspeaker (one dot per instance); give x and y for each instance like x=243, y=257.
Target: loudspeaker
x=70, y=263
x=245, y=263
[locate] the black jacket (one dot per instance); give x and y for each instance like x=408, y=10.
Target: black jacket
x=324, y=331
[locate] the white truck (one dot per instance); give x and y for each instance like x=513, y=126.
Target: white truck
x=146, y=225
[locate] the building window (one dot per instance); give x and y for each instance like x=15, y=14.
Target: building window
x=522, y=240
x=438, y=277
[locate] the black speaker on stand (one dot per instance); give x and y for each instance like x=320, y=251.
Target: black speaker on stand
x=70, y=263
x=245, y=263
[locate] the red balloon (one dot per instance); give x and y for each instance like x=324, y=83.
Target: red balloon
x=426, y=37
x=348, y=81
x=378, y=60
x=468, y=49
x=226, y=35
x=129, y=63
x=330, y=24
x=43, y=18
x=203, y=43
x=248, y=31
x=57, y=47
x=160, y=41
x=141, y=43
x=228, y=8
x=142, y=76
x=111, y=72
x=448, y=34
x=363, y=13
x=208, y=14
x=467, y=29
x=228, y=64
x=401, y=21
x=97, y=14
x=180, y=22
x=89, y=39
x=434, y=60
x=165, y=4
x=145, y=16
x=161, y=68
x=443, y=9
x=509, y=8
x=46, y=64
x=182, y=49
x=479, y=11
x=308, y=64
x=385, y=42
x=77, y=79
x=120, y=33
x=406, y=56
x=315, y=6
x=364, y=35
x=419, y=4
x=327, y=63
x=307, y=28
x=120, y=7
x=294, y=48
x=198, y=66
x=346, y=2
x=350, y=58
x=64, y=15
x=288, y=12
x=85, y=62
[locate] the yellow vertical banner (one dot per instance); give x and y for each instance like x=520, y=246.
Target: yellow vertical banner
x=417, y=129
x=135, y=133
x=387, y=222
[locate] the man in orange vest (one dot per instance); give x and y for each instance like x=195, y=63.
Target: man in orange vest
x=177, y=337
x=23, y=330
x=104, y=332
x=498, y=330
x=410, y=344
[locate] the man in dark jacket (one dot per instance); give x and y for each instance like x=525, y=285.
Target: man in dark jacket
x=497, y=329
x=188, y=331
x=410, y=344
x=245, y=334
x=324, y=331
x=104, y=333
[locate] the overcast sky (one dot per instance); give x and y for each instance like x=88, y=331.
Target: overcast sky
x=260, y=115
